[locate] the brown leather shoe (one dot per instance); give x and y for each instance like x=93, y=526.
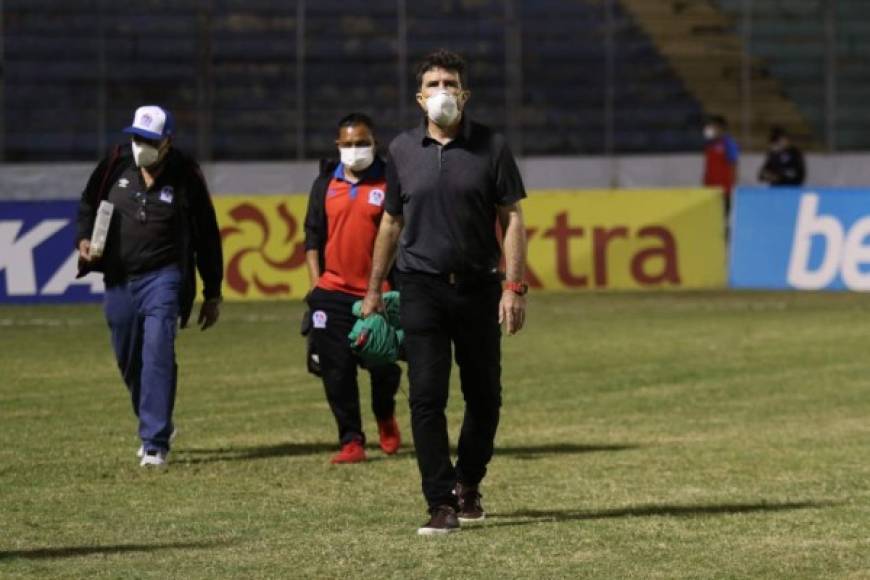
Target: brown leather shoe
x=470, y=507
x=443, y=521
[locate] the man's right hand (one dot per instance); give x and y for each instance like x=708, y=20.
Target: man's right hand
x=85, y=250
x=373, y=302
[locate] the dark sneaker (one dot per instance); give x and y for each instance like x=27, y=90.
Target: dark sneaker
x=443, y=521
x=470, y=508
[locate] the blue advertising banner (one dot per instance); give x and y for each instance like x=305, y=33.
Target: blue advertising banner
x=803, y=239
x=37, y=260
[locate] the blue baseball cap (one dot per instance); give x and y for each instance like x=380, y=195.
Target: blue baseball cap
x=152, y=122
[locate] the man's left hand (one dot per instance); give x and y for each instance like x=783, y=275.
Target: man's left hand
x=209, y=313
x=512, y=311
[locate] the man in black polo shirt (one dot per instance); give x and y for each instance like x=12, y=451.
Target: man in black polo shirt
x=448, y=182
x=163, y=226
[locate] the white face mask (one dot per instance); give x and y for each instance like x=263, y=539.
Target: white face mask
x=709, y=133
x=357, y=158
x=145, y=155
x=442, y=108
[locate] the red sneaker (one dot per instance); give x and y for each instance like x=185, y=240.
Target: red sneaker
x=391, y=439
x=352, y=452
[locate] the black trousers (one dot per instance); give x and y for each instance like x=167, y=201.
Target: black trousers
x=436, y=315
x=332, y=320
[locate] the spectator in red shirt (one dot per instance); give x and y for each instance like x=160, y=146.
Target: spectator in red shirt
x=344, y=211
x=720, y=157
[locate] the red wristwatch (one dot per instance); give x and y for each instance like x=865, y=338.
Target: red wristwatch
x=518, y=288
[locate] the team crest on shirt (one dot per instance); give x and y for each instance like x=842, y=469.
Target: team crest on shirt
x=166, y=194
x=376, y=197
x=318, y=318
x=331, y=192
x=123, y=183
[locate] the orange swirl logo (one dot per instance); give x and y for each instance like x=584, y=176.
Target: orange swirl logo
x=264, y=248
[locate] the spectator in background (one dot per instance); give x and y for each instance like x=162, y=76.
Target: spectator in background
x=784, y=165
x=720, y=157
x=344, y=211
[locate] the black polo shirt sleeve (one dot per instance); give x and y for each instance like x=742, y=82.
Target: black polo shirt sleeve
x=509, y=186
x=393, y=197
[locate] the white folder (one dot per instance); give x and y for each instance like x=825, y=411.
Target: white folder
x=101, y=228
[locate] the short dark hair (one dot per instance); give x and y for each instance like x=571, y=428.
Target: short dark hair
x=356, y=119
x=777, y=132
x=443, y=58
x=718, y=120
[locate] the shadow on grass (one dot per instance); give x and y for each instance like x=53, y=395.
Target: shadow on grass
x=537, y=451
x=527, y=517
x=77, y=551
x=194, y=456
x=197, y=456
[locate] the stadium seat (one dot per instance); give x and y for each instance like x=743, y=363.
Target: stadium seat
x=54, y=49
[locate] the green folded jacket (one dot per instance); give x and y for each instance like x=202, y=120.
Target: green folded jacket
x=391, y=305
x=378, y=338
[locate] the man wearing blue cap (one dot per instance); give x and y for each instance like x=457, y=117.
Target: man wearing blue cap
x=162, y=228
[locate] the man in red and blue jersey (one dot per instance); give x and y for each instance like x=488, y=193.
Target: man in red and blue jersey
x=720, y=157
x=344, y=212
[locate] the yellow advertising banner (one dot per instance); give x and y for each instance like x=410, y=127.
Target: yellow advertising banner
x=589, y=239
x=625, y=239
x=264, y=246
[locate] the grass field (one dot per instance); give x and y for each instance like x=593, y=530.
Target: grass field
x=684, y=435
